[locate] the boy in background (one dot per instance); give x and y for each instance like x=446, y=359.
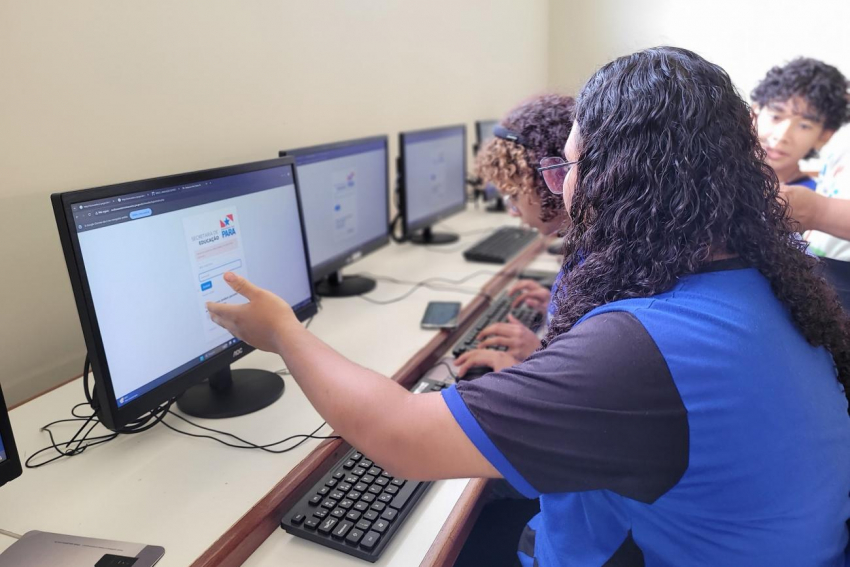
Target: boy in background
x=799, y=107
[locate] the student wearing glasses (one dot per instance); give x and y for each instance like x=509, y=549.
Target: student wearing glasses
x=534, y=129
x=689, y=405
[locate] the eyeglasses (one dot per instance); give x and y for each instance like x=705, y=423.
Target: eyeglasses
x=554, y=171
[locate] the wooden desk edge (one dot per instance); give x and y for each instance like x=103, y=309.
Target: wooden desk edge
x=446, y=547
x=252, y=529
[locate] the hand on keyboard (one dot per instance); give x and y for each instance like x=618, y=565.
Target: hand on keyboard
x=494, y=359
x=532, y=294
x=512, y=337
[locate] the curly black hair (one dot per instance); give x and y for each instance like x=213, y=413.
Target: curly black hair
x=671, y=173
x=544, y=123
x=822, y=86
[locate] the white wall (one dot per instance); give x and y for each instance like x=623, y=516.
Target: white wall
x=94, y=92
x=746, y=37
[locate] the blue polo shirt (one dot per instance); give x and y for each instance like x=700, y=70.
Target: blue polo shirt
x=696, y=427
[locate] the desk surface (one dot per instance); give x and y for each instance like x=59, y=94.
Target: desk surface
x=162, y=488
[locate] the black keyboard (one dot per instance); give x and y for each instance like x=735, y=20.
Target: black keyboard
x=357, y=507
x=497, y=313
x=500, y=246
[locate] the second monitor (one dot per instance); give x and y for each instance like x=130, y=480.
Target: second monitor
x=345, y=196
x=432, y=172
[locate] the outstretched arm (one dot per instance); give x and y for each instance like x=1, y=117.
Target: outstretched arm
x=412, y=436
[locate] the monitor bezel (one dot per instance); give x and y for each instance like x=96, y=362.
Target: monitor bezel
x=478, y=123
x=113, y=416
x=10, y=468
x=410, y=228
x=341, y=260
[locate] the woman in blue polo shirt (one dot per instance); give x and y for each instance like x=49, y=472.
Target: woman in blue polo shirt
x=689, y=406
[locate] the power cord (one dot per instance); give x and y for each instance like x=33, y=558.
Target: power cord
x=83, y=439
x=430, y=283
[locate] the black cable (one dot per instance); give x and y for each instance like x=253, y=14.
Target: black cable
x=248, y=444
x=448, y=367
x=449, y=285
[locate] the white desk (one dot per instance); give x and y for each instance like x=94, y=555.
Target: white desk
x=166, y=489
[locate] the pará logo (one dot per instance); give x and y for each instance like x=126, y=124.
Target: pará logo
x=228, y=226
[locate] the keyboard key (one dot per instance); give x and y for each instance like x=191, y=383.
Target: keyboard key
x=356, y=456
x=360, y=487
x=321, y=513
x=311, y=523
x=324, y=490
x=391, y=489
x=378, y=506
x=361, y=506
x=337, y=495
x=353, y=515
x=385, y=498
x=353, y=495
x=368, y=497
x=363, y=525
x=327, y=525
x=343, y=486
x=366, y=463
x=331, y=483
x=371, y=516
x=315, y=500
x=382, y=481
x=398, y=481
x=380, y=526
x=367, y=479
x=389, y=514
x=375, y=471
x=342, y=530
x=339, y=475
x=358, y=471
x=387, y=475
x=375, y=489
x=401, y=498
x=329, y=503
x=349, y=464
x=354, y=536
x=338, y=513
x=346, y=504
x=351, y=479
x=297, y=519
x=370, y=540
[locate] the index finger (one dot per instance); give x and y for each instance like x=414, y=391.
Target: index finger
x=502, y=329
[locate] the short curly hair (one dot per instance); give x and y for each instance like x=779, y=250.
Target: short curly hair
x=544, y=123
x=822, y=86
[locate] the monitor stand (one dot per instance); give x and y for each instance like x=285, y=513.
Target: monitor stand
x=231, y=393
x=335, y=285
x=428, y=237
x=497, y=206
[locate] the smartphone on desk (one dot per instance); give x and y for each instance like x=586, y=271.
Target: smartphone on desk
x=441, y=315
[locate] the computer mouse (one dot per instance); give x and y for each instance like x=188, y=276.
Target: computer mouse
x=475, y=372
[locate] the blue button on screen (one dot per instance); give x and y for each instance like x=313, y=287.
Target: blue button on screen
x=206, y=285
x=140, y=214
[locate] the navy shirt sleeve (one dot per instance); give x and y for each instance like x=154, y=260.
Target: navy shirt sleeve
x=597, y=409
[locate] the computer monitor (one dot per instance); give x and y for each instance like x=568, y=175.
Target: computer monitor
x=483, y=132
x=432, y=174
x=345, y=196
x=10, y=463
x=145, y=257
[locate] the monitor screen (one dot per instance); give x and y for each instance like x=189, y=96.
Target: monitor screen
x=153, y=258
x=434, y=174
x=484, y=130
x=345, y=197
x=2, y=450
